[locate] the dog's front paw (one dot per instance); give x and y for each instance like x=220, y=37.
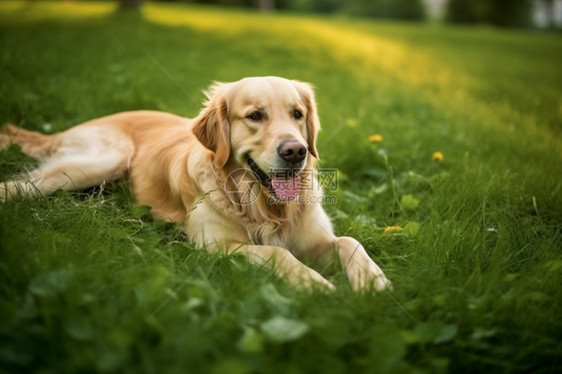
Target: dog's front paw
x=304, y=277
x=368, y=276
x=4, y=192
x=313, y=280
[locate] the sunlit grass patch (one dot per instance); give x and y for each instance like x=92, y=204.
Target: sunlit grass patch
x=72, y=11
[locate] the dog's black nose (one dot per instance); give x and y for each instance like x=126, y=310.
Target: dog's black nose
x=292, y=151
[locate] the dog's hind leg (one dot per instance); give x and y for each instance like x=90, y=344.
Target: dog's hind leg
x=76, y=159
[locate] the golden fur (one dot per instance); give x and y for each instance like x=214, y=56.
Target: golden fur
x=196, y=172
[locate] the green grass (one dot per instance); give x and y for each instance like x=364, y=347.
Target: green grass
x=89, y=283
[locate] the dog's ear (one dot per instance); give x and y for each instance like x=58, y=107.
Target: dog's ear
x=306, y=93
x=211, y=126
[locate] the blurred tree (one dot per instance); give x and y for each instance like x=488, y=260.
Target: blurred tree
x=130, y=4
x=266, y=5
x=550, y=7
x=395, y=9
x=235, y=3
x=326, y=6
x=320, y=6
x=510, y=12
x=496, y=12
x=465, y=11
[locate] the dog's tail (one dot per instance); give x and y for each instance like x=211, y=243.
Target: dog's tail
x=32, y=143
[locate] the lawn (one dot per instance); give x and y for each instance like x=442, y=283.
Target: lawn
x=89, y=283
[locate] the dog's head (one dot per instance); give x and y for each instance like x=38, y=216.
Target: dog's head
x=265, y=124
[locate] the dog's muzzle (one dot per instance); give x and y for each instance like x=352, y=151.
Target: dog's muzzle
x=283, y=184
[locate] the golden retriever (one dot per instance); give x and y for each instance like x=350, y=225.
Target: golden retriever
x=240, y=177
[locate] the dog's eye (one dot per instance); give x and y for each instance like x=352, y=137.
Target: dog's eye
x=297, y=114
x=255, y=116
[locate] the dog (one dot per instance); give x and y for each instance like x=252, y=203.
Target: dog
x=234, y=176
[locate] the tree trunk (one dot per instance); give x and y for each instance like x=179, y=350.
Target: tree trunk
x=266, y=5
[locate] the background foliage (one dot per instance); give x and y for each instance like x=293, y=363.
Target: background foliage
x=505, y=13
x=496, y=12
x=89, y=283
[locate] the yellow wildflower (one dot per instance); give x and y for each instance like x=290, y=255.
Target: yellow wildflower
x=392, y=229
x=437, y=156
x=375, y=138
